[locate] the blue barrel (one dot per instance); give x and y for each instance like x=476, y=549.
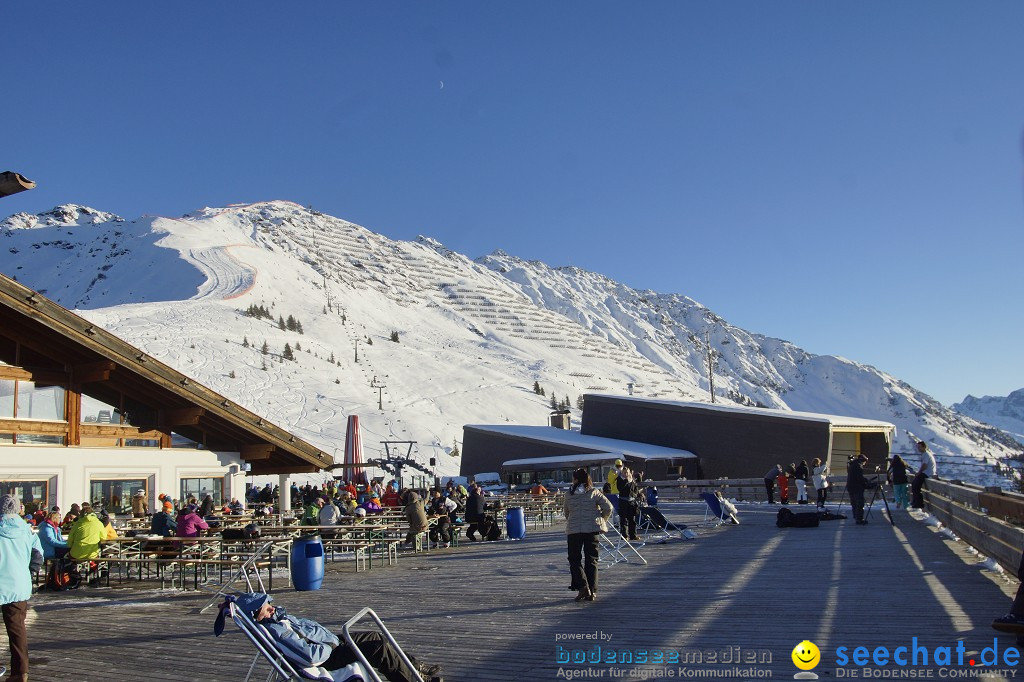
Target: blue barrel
x=515, y=523
x=307, y=563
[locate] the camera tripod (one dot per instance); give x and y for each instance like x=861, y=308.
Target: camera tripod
x=878, y=492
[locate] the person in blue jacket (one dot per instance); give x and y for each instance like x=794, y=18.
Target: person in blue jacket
x=52, y=540
x=20, y=556
x=309, y=644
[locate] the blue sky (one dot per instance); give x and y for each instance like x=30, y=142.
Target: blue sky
x=848, y=176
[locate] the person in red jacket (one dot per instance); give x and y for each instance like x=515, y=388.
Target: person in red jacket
x=391, y=498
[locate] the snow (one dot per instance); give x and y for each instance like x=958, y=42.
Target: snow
x=474, y=336
x=611, y=447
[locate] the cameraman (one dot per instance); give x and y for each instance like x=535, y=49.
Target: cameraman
x=856, y=484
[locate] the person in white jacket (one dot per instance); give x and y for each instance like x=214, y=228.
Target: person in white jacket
x=587, y=511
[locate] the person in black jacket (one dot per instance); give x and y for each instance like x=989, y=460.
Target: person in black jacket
x=897, y=476
x=856, y=484
x=475, y=512
x=628, y=493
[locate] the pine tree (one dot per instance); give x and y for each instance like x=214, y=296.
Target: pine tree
x=265, y=349
x=369, y=341
x=536, y=387
x=394, y=336
x=287, y=353
x=231, y=374
x=245, y=342
x=298, y=346
x=579, y=403
x=280, y=323
x=290, y=323
x=554, y=403
x=542, y=391
x=264, y=365
x=298, y=327
x=331, y=359
x=566, y=403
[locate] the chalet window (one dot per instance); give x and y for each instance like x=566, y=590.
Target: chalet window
x=33, y=494
x=7, y=398
x=199, y=488
x=115, y=495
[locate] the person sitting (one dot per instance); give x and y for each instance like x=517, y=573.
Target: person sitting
x=307, y=643
x=86, y=535
x=311, y=512
x=443, y=509
x=108, y=527
x=346, y=504
x=538, y=489
x=372, y=505
x=163, y=522
x=235, y=507
x=50, y=537
x=206, y=508
x=329, y=515
x=71, y=516
x=728, y=509
x=391, y=498
x=189, y=523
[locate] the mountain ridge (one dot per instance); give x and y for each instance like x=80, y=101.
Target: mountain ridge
x=473, y=334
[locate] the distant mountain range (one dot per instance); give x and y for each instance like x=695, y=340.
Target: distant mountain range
x=473, y=337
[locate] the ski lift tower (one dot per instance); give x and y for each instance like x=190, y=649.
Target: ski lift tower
x=395, y=463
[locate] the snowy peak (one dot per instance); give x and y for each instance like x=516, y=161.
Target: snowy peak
x=65, y=215
x=1005, y=413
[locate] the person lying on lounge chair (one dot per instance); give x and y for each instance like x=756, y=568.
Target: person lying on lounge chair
x=728, y=509
x=308, y=643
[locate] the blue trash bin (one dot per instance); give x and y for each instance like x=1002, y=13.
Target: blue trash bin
x=515, y=523
x=307, y=563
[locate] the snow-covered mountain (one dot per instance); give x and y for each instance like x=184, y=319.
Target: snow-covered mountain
x=1005, y=413
x=473, y=337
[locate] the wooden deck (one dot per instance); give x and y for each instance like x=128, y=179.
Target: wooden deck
x=499, y=611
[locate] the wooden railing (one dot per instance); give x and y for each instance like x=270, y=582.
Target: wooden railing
x=988, y=519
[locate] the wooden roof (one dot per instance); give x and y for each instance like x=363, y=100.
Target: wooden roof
x=59, y=347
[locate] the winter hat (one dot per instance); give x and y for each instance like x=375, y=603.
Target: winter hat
x=192, y=508
x=168, y=506
x=251, y=602
x=86, y=508
x=9, y=504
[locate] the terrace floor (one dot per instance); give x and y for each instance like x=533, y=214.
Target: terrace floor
x=500, y=611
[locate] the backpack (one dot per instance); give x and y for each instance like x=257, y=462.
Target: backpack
x=63, y=575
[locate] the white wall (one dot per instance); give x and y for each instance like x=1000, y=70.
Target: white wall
x=69, y=470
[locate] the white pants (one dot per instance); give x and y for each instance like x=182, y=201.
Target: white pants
x=801, y=491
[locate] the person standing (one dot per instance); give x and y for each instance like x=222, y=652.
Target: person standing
x=628, y=493
x=586, y=511
x=769, y=482
x=21, y=555
x=613, y=483
x=924, y=472
x=474, y=512
x=897, y=475
x=856, y=484
x=819, y=478
x=140, y=508
x=800, y=476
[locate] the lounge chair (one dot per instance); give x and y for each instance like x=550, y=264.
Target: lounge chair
x=284, y=669
x=714, y=514
x=656, y=527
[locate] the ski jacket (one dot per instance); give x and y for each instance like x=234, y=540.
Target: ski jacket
x=21, y=555
x=586, y=511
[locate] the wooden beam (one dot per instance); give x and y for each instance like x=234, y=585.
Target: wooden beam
x=116, y=431
x=12, y=373
x=265, y=468
x=92, y=372
x=73, y=413
x=255, y=452
x=37, y=427
x=184, y=416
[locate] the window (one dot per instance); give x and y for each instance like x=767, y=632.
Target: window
x=199, y=488
x=33, y=494
x=115, y=495
x=7, y=398
x=36, y=402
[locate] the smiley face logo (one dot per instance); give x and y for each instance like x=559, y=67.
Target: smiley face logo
x=806, y=655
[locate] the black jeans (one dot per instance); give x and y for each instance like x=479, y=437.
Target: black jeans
x=822, y=495
x=917, y=499
x=377, y=650
x=627, y=518
x=17, y=636
x=769, y=486
x=857, y=502
x=583, y=561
